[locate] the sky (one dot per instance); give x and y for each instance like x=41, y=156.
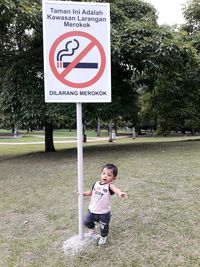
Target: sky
x=169, y=11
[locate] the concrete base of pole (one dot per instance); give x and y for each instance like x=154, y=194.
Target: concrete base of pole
x=75, y=245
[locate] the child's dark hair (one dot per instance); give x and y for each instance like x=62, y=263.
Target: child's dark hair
x=111, y=167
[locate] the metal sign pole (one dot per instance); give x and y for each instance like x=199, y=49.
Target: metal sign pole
x=80, y=167
x=68, y=77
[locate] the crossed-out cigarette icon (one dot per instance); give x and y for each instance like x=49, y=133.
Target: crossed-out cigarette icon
x=70, y=48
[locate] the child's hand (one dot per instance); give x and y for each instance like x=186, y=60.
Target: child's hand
x=123, y=195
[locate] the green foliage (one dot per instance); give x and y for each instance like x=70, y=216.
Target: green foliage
x=22, y=92
x=162, y=64
x=155, y=70
x=125, y=96
x=192, y=16
x=124, y=92
x=135, y=10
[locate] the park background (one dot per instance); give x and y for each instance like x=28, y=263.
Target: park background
x=155, y=91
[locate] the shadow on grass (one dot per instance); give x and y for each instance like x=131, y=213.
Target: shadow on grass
x=110, y=148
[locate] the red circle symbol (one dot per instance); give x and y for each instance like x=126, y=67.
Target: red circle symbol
x=62, y=76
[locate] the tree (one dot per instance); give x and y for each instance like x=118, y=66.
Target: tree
x=22, y=92
x=190, y=33
x=124, y=90
x=192, y=16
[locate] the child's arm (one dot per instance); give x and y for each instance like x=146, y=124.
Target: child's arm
x=87, y=193
x=118, y=191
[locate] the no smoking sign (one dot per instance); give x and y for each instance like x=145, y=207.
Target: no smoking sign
x=77, y=62
x=77, y=59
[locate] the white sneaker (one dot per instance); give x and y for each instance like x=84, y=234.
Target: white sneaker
x=102, y=240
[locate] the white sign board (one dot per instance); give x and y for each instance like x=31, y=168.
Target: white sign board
x=77, y=64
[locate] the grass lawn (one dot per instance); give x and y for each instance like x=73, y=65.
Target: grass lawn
x=159, y=225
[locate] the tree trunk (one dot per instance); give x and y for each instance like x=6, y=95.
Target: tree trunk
x=16, y=132
x=49, y=146
x=84, y=134
x=110, y=139
x=115, y=126
x=134, y=133
x=98, y=127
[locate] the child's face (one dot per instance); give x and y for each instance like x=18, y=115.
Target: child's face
x=107, y=176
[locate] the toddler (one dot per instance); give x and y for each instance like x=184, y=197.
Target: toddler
x=100, y=206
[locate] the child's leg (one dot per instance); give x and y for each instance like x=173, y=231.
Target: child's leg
x=104, y=224
x=89, y=220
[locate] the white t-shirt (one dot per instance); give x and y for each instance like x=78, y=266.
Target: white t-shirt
x=100, y=199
